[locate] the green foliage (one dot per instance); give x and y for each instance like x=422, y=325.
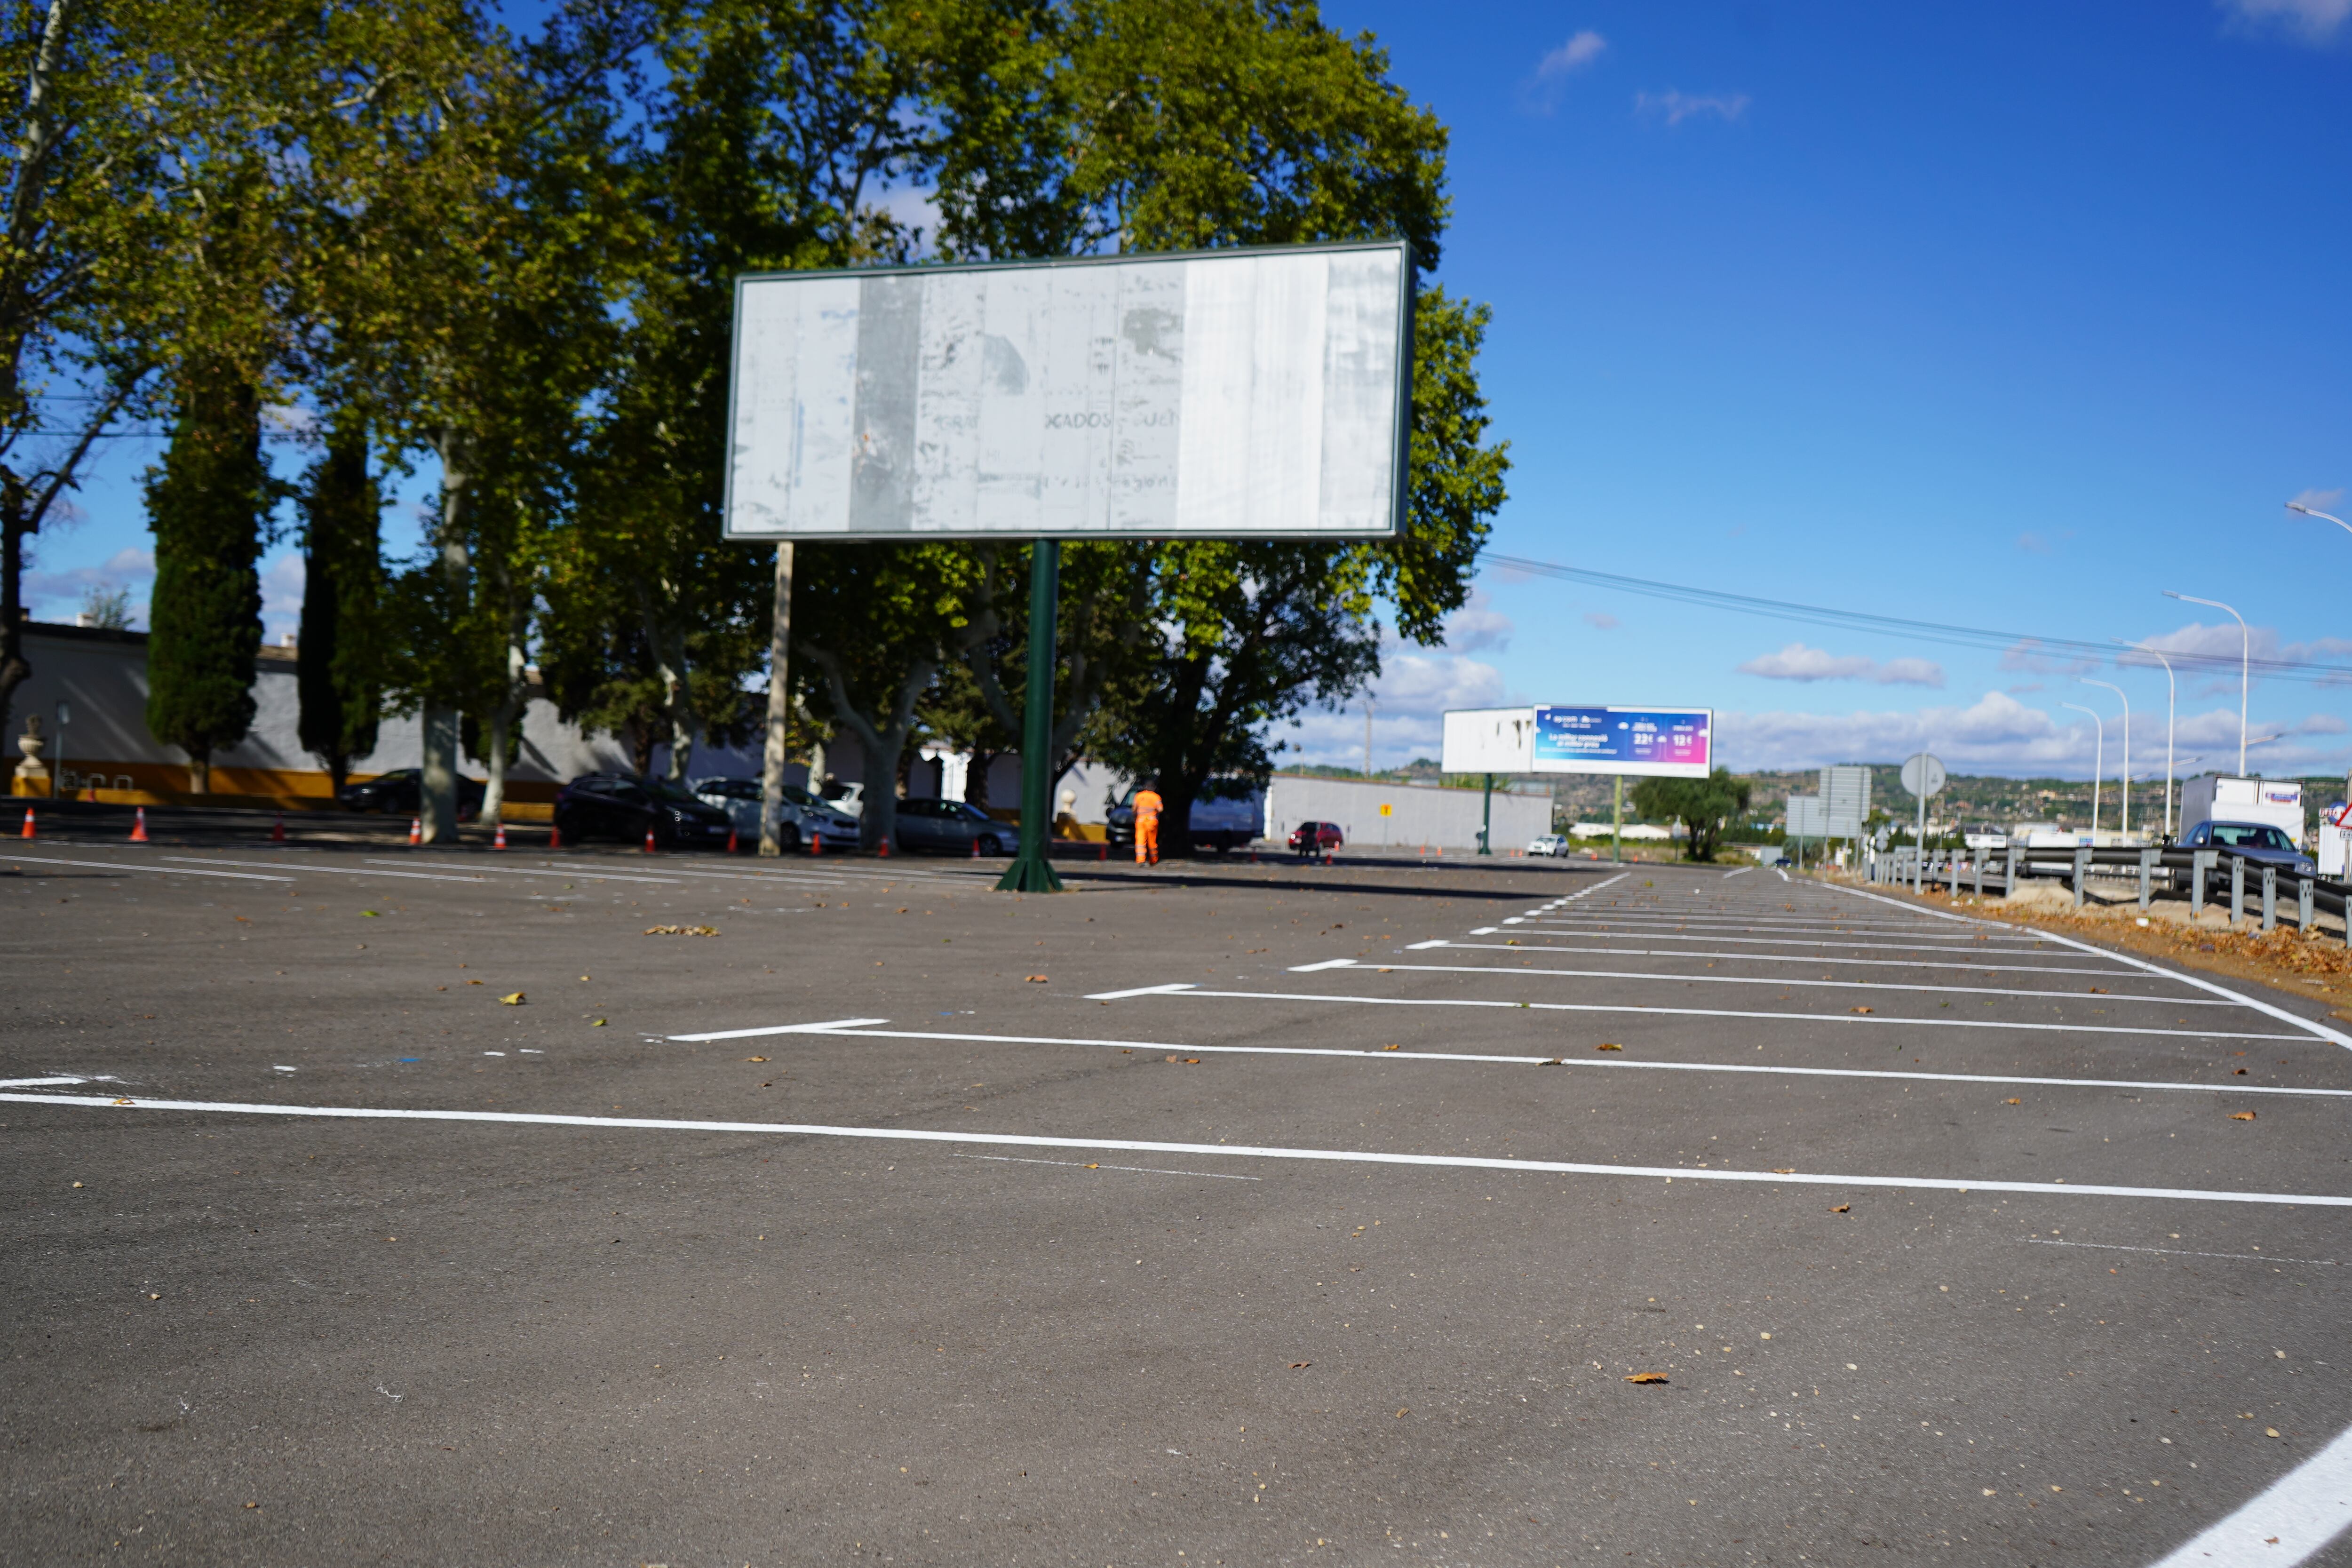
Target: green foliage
x=338, y=652
x=207, y=503
x=1704, y=806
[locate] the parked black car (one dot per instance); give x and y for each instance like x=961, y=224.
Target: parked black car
x=402, y=792
x=619, y=806
x=952, y=824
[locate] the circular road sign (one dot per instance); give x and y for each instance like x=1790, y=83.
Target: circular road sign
x=1922, y=775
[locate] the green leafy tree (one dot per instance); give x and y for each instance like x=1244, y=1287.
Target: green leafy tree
x=1704, y=806
x=207, y=503
x=337, y=653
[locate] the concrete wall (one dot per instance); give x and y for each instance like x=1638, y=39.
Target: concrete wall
x=1419, y=815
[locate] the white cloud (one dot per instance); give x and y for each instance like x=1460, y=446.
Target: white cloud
x=1677, y=107
x=57, y=595
x=2320, y=500
x=289, y=421
x=1601, y=620
x=1408, y=701
x=2032, y=545
x=1478, y=625
x=1798, y=662
x=1998, y=734
x=2313, y=21
x=281, y=597
x=1580, y=50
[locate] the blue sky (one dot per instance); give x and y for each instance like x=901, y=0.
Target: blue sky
x=2008, y=315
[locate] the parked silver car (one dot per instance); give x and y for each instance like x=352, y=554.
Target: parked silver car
x=804, y=815
x=2255, y=841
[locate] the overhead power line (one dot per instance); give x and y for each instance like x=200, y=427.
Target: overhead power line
x=1916, y=631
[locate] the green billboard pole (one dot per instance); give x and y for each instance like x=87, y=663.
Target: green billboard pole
x=1032, y=871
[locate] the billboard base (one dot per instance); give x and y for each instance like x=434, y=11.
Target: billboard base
x=1029, y=874
x=1031, y=871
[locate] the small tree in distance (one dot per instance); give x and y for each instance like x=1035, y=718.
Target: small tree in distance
x=1702, y=806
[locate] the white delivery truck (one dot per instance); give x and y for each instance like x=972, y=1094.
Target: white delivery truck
x=2218, y=798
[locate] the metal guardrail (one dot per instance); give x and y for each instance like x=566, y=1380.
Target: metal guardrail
x=2197, y=869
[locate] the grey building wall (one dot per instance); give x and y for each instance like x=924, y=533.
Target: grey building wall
x=1419, y=813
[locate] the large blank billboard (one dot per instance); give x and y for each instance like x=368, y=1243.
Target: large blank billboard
x=1237, y=394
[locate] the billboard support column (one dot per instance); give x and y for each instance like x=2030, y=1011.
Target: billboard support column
x=780, y=707
x=1617, y=819
x=1031, y=871
x=1487, y=832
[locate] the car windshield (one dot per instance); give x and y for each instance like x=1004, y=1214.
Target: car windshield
x=662, y=789
x=798, y=795
x=2249, y=835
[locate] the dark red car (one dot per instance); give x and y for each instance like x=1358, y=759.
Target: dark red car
x=1315, y=837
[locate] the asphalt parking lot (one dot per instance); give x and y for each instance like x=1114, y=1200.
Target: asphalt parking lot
x=377, y=1204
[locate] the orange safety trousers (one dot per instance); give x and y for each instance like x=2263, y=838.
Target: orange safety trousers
x=1147, y=840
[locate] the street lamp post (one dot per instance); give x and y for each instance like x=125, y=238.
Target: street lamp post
x=2245, y=658
x=2098, y=762
x=2124, y=774
x=2169, y=691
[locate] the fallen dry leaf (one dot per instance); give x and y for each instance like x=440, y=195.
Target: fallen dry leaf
x=2241, y=1116
x=1400, y=1414
x=1297, y=1365
x=1391, y=1047
x=1647, y=1377
x=1036, y=980
x=1608, y=1047
x=511, y=999
x=755, y=1058
x=1861, y=1009
x=1784, y=1170
x=681, y=930
x=2016, y=1102
x=1843, y=1208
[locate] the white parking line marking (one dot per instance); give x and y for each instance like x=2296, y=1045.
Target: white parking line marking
x=1498, y=969
x=2180, y=1252
x=38, y=1082
x=1090, y=1165
x=152, y=870
x=1152, y=1146
x=862, y=1029
x=1585, y=892
x=1637, y=924
x=2288, y=1522
x=1784, y=876
x=1952, y=944
x=541, y=875
x=1741, y=873
x=1187, y=990
x=1770, y=958
x=2322, y=1030
x=329, y=870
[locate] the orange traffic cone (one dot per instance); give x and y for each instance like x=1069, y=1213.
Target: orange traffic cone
x=649, y=840
x=816, y=843
x=28, y=832
x=732, y=847
x=500, y=841
x=278, y=829
x=416, y=831
x=884, y=850
x=1103, y=851
x=555, y=837
x=139, y=826
x=975, y=849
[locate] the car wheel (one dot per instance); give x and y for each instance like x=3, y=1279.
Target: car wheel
x=788, y=837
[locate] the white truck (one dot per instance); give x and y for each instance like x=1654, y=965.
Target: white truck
x=2215, y=797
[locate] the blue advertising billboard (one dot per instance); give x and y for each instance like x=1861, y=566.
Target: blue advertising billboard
x=1655, y=742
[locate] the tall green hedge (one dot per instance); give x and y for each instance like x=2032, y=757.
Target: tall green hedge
x=206, y=501
x=338, y=669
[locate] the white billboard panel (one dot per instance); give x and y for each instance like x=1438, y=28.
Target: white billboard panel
x=1845, y=796
x=1489, y=741
x=1235, y=394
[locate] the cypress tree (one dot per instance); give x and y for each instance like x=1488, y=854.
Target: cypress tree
x=337, y=670
x=207, y=503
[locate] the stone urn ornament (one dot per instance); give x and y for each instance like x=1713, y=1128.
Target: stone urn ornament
x=32, y=773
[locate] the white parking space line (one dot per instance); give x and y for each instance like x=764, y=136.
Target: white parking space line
x=1091, y=1166
x=1588, y=920
x=541, y=875
x=1741, y=873
x=2335, y=1036
x=1784, y=874
x=1152, y=1146
x=39, y=1082
x=133, y=865
x=1808, y=957
x=328, y=870
x=1504, y=970
x=1588, y=892
x=1948, y=945
x=2183, y=1252
x=2291, y=1520
x=1186, y=989
x=856, y=1028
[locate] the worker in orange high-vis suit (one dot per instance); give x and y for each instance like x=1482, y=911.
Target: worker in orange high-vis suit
x=1147, y=806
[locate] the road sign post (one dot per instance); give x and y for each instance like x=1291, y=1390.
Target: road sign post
x=1922, y=775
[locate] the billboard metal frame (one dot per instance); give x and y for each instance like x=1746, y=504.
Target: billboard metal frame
x=1400, y=456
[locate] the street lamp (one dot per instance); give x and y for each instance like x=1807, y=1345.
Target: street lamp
x=2168, y=694
x=2245, y=658
x=2098, y=762
x=2125, y=772
x=2322, y=516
